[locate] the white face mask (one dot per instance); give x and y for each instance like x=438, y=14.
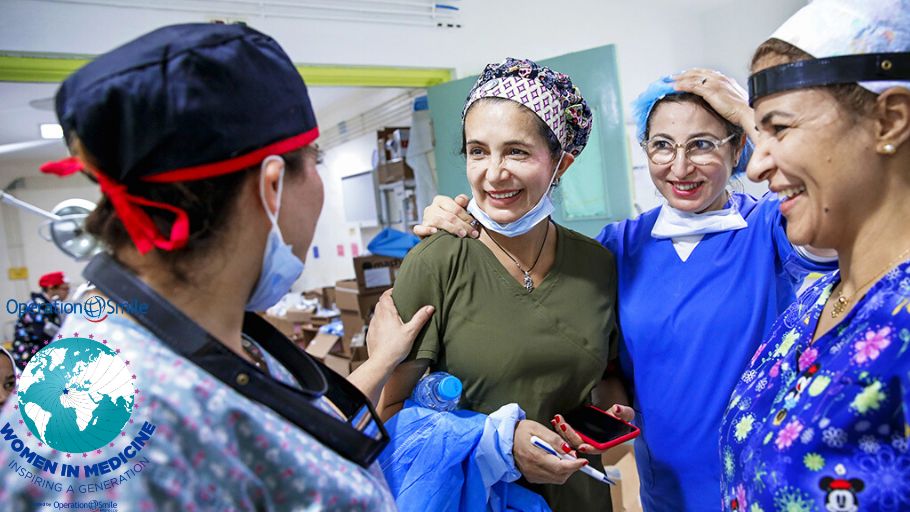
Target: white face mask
x=542, y=210
x=672, y=223
x=280, y=267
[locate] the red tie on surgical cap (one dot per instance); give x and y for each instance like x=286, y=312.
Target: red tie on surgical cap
x=138, y=224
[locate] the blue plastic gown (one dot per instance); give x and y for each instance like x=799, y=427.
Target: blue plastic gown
x=455, y=461
x=392, y=243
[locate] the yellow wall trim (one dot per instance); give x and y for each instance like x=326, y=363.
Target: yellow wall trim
x=44, y=68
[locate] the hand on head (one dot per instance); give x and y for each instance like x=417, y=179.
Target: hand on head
x=725, y=96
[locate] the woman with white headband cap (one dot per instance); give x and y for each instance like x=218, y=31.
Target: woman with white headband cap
x=821, y=417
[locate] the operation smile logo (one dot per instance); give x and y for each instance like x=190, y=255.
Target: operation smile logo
x=77, y=397
x=94, y=309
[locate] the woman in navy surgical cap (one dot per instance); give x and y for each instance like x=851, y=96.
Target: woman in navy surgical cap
x=820, y=419
x=201, y=139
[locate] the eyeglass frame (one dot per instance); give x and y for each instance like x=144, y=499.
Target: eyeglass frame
x=682, y=145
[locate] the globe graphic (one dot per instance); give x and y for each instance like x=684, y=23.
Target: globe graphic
x=76, y=395
x=94, y=307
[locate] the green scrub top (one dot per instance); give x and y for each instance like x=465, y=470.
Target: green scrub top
x=545, y=350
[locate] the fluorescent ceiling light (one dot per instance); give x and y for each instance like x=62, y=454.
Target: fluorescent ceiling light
x=51, y=131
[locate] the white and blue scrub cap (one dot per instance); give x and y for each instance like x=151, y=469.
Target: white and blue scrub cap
x=834, y=28
x=658, y=90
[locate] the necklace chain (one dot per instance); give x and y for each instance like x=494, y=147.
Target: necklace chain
x=842, y=301
x=528, y=282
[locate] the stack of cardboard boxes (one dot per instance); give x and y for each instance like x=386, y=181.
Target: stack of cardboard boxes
x=357, y=298
x=392, y=146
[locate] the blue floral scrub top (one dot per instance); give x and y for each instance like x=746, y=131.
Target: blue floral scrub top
x=213, y=449
x=825, y=425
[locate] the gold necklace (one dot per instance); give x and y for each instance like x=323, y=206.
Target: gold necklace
x=528, y=282
x=842, y=301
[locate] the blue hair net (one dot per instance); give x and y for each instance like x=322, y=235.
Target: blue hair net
x=658, y=90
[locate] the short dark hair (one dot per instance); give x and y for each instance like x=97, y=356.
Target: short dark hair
x=553, y=144
x=209, y=204
x=854, y=99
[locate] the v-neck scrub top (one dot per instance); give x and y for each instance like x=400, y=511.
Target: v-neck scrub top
x=545, y=350
x=689, y=329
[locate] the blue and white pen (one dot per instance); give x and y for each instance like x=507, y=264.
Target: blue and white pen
x=591, y=472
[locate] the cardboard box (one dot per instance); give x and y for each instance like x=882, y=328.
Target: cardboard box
x=356, y=364
x=325, y=296
x=375, y=272
x=286, y=327
x=328, y=297
x=625, y=494
x=359, y=354
x=322, y=344
x=322, y=347
x=348, y=297
x=353, y=323
x=298, y=316
x=390, y=172
x=392, y=143
x=307, y=334
x=341, y=365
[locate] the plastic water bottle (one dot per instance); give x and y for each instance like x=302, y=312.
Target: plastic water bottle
x=439, y=391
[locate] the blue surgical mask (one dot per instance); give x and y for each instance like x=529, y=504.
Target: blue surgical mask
x=542, y=210
x=280, y=267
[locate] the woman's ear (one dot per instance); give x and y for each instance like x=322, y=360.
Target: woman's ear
x=270, y=181
x=567, y=160
x=738, y=152
x=892, y=116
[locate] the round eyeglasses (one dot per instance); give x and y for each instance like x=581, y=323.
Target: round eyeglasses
x=699, y=151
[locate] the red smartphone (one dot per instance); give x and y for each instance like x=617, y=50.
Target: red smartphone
x=599, y=429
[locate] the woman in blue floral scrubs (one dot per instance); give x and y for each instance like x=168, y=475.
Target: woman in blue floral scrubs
x=820, y=420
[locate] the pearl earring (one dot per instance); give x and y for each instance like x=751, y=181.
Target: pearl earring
x=888, y=149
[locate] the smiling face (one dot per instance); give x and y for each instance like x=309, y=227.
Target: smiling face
x=7, y=378
x=820, y=160
x=509, y=162
x=685, y=185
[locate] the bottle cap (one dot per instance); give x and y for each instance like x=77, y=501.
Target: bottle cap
x=449, y=388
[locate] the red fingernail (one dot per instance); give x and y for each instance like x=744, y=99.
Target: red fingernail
x=552, y=422
x=556, y=418
x=563, y=427
x=566, y=448
x=582, y=449
x=586, y=463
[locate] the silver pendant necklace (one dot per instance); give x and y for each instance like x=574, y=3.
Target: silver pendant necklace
x=528, y=282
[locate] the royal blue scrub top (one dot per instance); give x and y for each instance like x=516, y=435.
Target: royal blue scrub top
x=689, y=329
